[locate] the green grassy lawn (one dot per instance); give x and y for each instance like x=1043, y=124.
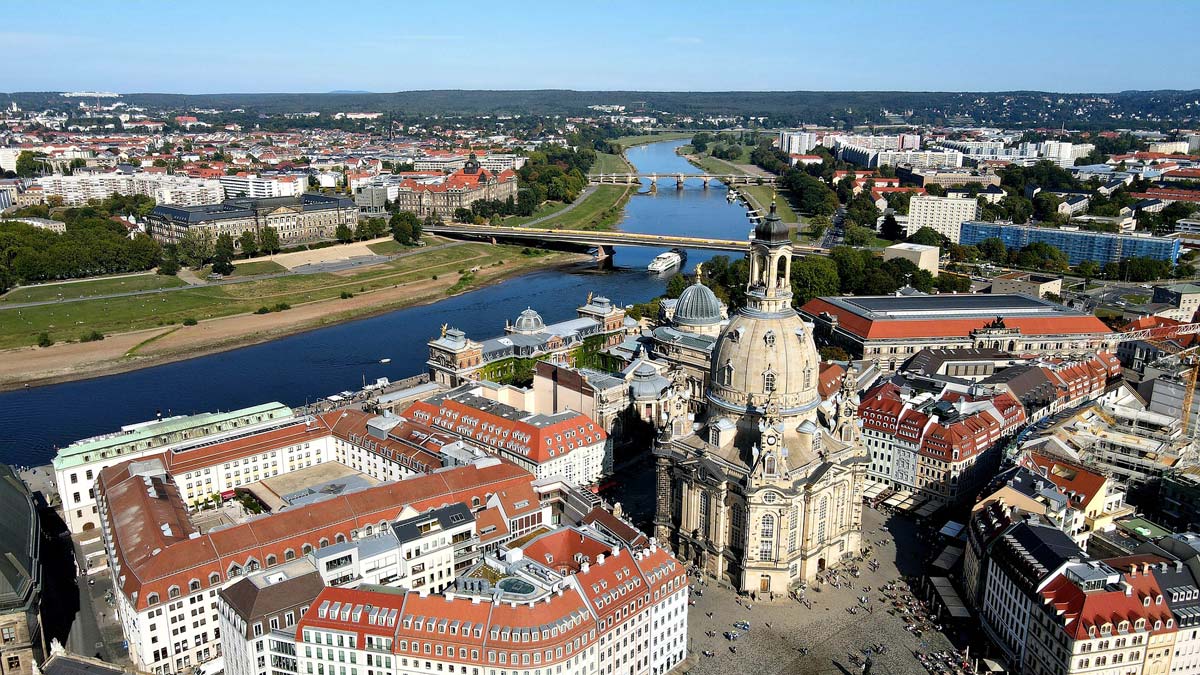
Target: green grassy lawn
x=600, y=211
x=249, y=269
x=630, y=141
x=762, y=194
x=609, y=163
x=92, y=288
x=714, y=165
x=20, y=327
x=546, y=209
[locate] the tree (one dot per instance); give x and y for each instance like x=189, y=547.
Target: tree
x=676, y=285
x=195, y=247
x=223, y=254
x=249, y=243
x=403, y=226
x=170, y=261
x=993, y=249
x=343, y=233
x=890, y=229
x=814, y=276
x=1088, y=269
x=927, y=236
x=268, y=240
x=857, y=235
x=27, y=165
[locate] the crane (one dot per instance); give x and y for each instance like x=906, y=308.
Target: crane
x=1189, y=357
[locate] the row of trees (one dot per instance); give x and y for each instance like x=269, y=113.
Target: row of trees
x=372, y=228
x=92, y=244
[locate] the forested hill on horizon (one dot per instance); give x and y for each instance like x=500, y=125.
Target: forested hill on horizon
x=1134, y=109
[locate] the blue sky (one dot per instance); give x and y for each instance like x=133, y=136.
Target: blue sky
x=209, y=46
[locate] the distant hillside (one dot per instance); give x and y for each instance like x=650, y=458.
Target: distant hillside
x=1023, y=108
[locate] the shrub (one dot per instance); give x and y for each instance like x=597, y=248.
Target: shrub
x=435, y=277
x=94, y=336
x=44, y=340
x=281, y=306
x=346, y=295
x=189, y=321
x=263, y=310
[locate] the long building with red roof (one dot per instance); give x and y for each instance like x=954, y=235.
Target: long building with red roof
x=890, y=329
x=443, y=195
x=571, y=601
x=163, y=564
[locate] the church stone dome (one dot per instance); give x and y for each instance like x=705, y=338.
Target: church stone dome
x=760, y=356
x=772, y=229
x=697, y=306
x=529, y=322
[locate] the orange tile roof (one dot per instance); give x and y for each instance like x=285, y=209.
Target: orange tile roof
x=151, y=561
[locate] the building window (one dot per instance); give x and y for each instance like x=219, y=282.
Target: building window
x=9, y=634
x=769, y=382
x=14, y=663
x=766, y=537
x=704, y=507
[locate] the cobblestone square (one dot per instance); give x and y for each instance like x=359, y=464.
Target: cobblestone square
x=779, y=629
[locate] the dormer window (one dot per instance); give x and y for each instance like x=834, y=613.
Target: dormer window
x=769, y=338
x=725, y=376
x=769, y=382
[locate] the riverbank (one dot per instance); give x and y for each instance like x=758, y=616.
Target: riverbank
x=141, y=348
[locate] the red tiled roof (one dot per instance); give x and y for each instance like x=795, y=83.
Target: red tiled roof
x=533, y=442
x=1074, y=481
x=151, y=560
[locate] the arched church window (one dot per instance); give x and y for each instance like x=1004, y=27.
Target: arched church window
x=737, y=526
x=794, y=529
x=705, y=504
x=807, y=377
x=769, y=382
x=766, y=537
x=768, y=527
x=769, y=468
x=822, y=516
x=726, y=374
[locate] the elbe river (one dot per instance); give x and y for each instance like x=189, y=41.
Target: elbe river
x=309, y=366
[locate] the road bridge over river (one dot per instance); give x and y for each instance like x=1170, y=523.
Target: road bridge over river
x=602, y=241
x=679, y=178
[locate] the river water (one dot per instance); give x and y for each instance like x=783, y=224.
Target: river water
x=311, y=365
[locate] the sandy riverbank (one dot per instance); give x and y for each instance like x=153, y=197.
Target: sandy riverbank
x=121, y=352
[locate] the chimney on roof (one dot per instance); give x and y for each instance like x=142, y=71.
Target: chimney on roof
x=585, y=566
x=1145, y=568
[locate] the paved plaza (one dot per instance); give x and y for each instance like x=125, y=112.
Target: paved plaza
x=779, y=629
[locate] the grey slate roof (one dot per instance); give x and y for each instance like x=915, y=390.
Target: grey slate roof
x=449, y=516
x=260, y=595
x=20, y=536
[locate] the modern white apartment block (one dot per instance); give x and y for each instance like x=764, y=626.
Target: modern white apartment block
x=797, y=142
x=944, y=215
x=163, y=188
x=256, y=187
